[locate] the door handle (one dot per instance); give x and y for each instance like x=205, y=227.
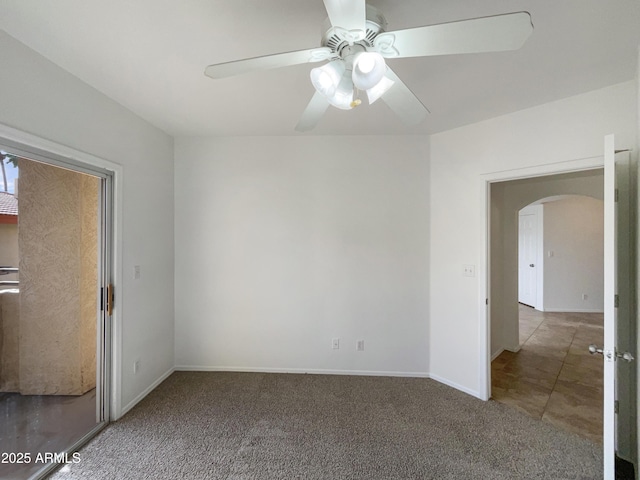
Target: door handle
x=531, y=265
x=593, y=349
x=626, y=356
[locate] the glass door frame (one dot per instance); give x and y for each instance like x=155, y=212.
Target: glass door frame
x=105, y=345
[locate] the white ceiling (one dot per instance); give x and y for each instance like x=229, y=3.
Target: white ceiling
x=150, y=55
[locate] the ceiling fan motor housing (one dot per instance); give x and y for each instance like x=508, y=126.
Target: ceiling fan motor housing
x=334, y=37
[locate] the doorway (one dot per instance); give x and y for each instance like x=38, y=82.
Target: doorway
x=500, y=284
x=539, y=360
x=553, y=377
x=54, y=360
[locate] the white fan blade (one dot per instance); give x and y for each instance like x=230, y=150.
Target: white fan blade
x=403, y=102
x=487, y=34
x=347, y=14
x=313, y=113
x=266, y=62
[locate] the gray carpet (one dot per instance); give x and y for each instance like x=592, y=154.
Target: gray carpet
x=200, y=425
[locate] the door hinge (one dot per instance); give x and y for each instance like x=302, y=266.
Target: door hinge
x=486, y=301
x=616, y=195
x=616, y=406
x=616, y=301
x=110, y=299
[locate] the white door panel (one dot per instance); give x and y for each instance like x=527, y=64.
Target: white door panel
x=619, y=433
x=610, y=281
x=527, y=250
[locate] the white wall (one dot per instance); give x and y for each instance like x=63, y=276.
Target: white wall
x=574, y=232
x=40, y=98
x=568, y=129
x=283, y=243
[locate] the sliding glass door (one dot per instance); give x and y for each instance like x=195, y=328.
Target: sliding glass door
x=55, y=297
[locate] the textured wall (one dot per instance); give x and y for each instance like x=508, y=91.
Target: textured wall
x=9, y=335
x=9, y=249
x=57, y=236
x=88, y=279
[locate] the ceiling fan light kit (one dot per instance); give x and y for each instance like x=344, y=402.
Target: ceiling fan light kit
x=327, y=78
x=337, y=79
x=368, y=70
x=356, y=44
x=343, y=95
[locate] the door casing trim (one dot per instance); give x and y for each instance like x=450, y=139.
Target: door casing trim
x=484, y=273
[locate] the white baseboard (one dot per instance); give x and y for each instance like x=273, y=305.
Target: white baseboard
x=455, y=385
x=315, y=371
x=146, y=392
x=514, y=349
x=572, y=310
x=497, y=354
x=311, y=371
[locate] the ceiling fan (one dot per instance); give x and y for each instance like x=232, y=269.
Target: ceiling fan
x=355, y=44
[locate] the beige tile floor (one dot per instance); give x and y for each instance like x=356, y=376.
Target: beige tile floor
x=553, y=377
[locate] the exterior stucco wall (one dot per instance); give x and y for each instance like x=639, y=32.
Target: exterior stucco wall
x=58, y=280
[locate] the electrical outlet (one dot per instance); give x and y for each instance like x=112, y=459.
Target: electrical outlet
x=584, y=296
x=335, y=343
x=469, y=270
x=360, y=345
x=136, y=366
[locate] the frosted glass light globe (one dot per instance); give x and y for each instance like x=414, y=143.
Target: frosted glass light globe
x=368, y=69
x=326, y=78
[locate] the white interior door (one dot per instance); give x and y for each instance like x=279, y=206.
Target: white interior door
x=619, y=384
x=527, y=250
x=626, y=330
x=610, y=313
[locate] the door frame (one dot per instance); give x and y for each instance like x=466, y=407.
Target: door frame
x=484, y=277
x=60, y=155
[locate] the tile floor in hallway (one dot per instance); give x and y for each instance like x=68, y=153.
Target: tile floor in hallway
x=553, y=376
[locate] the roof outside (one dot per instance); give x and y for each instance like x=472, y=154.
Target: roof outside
x=8, y=204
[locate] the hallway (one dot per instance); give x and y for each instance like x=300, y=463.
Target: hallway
x=553, y=376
